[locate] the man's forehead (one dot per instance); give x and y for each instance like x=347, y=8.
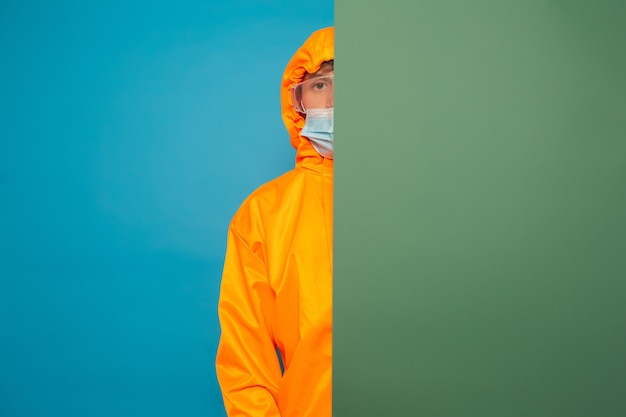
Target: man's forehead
x=322, y=72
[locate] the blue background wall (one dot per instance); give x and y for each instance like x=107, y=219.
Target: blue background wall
x=129, y=134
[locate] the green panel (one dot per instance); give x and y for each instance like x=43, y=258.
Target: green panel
x=480, y=200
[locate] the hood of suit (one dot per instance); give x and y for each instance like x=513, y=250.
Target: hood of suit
x=317, y=49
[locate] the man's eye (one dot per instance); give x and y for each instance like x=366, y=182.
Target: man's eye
x=319, y=85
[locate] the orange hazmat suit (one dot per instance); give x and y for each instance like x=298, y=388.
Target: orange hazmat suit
x=276, y=291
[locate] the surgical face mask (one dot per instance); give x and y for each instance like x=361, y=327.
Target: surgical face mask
x=318, y=128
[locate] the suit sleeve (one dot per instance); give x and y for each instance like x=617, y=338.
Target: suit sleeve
x=247, y=365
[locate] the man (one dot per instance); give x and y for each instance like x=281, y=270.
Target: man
x=275, y=303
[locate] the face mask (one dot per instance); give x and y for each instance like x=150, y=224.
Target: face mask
x=318, y=128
